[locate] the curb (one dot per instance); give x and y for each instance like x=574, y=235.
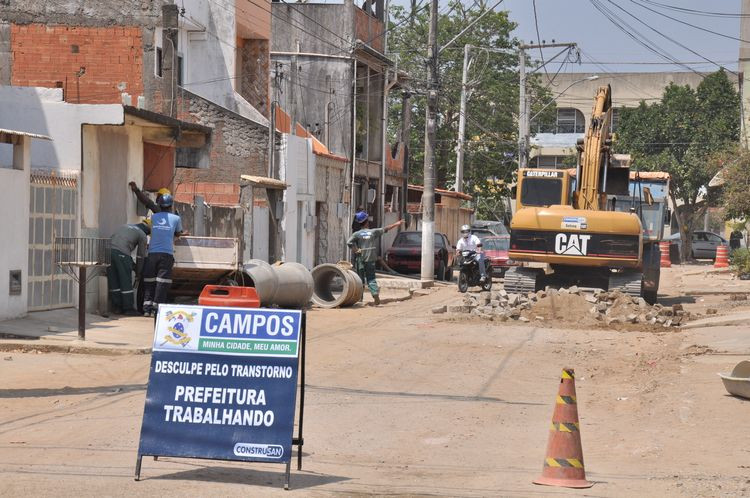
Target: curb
x=718, y=323
x=714, y=293
x=27, y=347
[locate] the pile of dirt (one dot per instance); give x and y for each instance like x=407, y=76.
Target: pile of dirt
x=569, y=305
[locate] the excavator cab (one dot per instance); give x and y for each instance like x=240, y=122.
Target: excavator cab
x=542, y=188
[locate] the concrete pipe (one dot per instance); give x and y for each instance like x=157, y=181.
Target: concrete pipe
x=336, y=286
x=286, y=285
x=295, y=287
x=263, y=277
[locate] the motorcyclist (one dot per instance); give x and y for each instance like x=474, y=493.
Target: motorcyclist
x=469, y=242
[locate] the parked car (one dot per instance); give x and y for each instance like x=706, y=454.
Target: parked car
x=496, y=251
x=482, y=232
x=405, y=255
x=493, y=227
x=704, y=244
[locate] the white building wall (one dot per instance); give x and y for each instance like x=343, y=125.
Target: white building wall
x=297, y=169
x=43, y=111
x=14, y=203
x=74, y=147
x=207, y=42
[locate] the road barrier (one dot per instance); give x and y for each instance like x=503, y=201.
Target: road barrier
x=229, y=295
x=722, y=257
x=664, y=249
x=563, y=465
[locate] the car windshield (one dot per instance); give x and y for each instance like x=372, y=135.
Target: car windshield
x=414, y=239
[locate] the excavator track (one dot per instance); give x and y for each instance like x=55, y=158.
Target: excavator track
x=626, y=282
x=520, y=280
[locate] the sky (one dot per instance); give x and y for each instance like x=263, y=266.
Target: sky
x=601, y=41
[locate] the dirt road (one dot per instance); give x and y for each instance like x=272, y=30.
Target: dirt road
x=401, y=401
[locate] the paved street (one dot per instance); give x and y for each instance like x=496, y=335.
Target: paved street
x=407, y=402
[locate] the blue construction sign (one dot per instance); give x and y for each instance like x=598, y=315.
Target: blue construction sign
x=222, y=384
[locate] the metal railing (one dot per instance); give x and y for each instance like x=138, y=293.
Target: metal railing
x=82, y=251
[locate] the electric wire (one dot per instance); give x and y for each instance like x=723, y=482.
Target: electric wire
x=702, y=13
x=670, y=38
x=539, y=42
x=687, y=23
x=641, y=39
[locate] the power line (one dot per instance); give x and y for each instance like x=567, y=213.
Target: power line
x=654, y=63
x=604, y=70
x=539, y=42
x=314, y=21
x=688, y=24
x=629, y=30
x=694, y=11
x=670, y=38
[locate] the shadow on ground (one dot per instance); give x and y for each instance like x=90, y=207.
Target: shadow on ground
x=671, y=301
x=235, y=475
x=70, y=391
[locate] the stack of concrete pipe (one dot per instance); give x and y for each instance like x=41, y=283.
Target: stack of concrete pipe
x=286, y=285
x=336, y=286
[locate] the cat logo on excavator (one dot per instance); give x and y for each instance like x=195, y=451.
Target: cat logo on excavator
x=572, y=244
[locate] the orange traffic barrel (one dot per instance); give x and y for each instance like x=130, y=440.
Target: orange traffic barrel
x=229, y=295
x=563, y=464
x=722, y=257
x=664, y=249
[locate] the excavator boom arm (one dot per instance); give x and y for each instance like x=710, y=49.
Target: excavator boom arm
x=595, y=155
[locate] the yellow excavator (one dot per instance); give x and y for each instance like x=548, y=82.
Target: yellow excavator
x=585, y=227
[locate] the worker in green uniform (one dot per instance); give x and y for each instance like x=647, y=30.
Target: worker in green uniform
x=364, y=243
x=120, y=270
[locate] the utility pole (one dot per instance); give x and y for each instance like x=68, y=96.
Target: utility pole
x=462, y=123
x=170, y=18
x=744, y=68
x=522, y=132
x=523, y=112
x=428, y=196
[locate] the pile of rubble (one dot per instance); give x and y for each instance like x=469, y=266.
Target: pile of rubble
x=568, y=305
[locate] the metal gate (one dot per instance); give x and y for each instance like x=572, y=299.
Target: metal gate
x=53, y=213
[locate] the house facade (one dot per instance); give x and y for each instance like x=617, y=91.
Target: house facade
x=553, y=144
x=334, y=80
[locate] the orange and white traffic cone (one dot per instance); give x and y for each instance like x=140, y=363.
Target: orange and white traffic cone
x=563, y=465
x=664, y=262
x=722, y=257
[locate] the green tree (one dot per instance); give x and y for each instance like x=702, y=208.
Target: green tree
x=735, y=182
x=492, y=110
x=680, y=135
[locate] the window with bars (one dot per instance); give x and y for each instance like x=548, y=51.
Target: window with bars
x=615, y=123
x=557, y=162
x=570, y=120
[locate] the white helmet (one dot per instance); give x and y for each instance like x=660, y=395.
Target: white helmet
x=465, y=230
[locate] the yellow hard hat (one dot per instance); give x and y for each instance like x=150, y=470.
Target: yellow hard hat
x=163, y=191
x=147, y=222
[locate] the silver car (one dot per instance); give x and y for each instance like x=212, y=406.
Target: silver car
x=704, y=244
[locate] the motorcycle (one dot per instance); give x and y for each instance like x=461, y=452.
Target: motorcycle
x=469, y=275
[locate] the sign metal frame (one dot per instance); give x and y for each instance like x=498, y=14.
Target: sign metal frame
x=297, y=441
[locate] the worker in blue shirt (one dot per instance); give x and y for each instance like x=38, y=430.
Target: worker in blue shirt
x=157, y=272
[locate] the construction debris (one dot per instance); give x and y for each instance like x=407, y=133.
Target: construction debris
x=572, y=305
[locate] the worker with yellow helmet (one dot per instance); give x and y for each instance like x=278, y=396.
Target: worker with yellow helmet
x=146, y=200
x=124, y=241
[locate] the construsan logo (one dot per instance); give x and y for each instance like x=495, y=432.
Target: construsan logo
x=258, y=450
x=572, y=244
